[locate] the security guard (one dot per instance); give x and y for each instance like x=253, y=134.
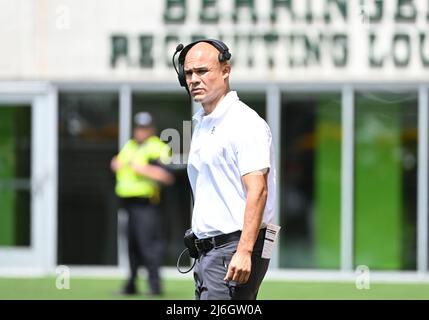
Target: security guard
x=139, y=173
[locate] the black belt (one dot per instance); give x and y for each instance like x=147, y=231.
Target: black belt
x=206, y=244
x=135, y=201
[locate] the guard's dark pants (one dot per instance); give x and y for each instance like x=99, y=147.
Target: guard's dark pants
x=211, y=268
x=144, y=240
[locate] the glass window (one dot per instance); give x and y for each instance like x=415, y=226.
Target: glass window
x=427, y=177
x=254, y=100
x=170, y=110
x=87, y=205
x=385, y=180
x=310, y=194
x=15, y=175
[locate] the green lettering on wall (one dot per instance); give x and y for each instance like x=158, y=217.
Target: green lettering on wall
x=424, y=59
x=374, y=62
x=196, y=37
x=405, y=11
x=340, y=44
x=378, y=14
x=404, y=38
x=294, y=61
x=146, y=54
x=236, y=40
x=244, y=3
x=250, y=55
x=275, y=4
x=171, y=41
x=175, y=11
x=209, y=11
x=270, y=39
x=119, y=48
x=312, y=51
x=309, y=12
x=427, y=15
x=341, y=5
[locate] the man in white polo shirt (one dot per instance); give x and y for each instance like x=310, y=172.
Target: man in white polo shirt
x=232, y=174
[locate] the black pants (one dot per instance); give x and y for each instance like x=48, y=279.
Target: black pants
x=144, y=240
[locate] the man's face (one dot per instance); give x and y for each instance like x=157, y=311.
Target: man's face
x=205, y=76
x=142, y=133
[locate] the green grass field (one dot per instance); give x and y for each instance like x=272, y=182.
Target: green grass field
x=100, y=288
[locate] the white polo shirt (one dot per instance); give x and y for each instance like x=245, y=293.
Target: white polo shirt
x=226, y=144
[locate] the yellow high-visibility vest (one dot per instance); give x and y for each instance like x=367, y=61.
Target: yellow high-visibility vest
x=131, y=184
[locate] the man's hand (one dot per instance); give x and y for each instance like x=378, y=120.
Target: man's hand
x=154, y=172
x=115, y=164
x=239, y=268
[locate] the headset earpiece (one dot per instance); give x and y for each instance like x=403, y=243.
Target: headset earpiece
x=224, y=56
x=181, y=76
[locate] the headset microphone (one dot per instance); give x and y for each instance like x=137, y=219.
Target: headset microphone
x=179, y=72
x=178, y=49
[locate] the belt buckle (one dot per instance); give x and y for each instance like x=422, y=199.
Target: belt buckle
x=197, y=244
x=204, y=245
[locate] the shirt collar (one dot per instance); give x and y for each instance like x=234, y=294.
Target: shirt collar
x=220, y=109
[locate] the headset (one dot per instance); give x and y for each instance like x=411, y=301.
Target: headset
x=224, y=55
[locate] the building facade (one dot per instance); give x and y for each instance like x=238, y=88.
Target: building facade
x=344, y=86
